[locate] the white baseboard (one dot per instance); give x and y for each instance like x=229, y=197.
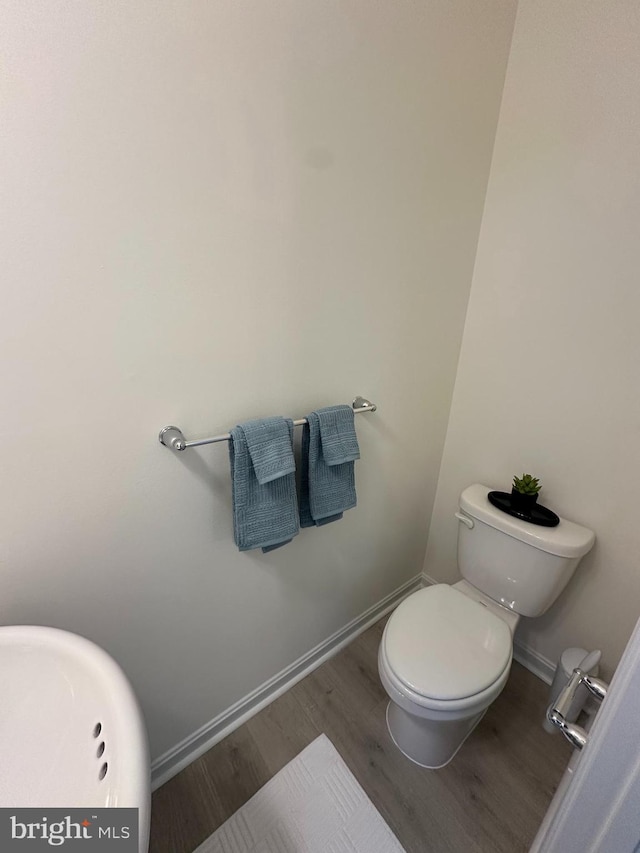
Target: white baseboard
x=193, y=746
x=534, y=662
x=527, y=656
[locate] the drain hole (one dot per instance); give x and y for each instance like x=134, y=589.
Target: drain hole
x=97, y=729
x=103, y=771
x=100, y=750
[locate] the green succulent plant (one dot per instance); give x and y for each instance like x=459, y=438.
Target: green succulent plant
x=527, y=485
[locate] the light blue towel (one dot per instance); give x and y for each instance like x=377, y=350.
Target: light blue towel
x=327, y=482
x=269, y=443
x=265, y=508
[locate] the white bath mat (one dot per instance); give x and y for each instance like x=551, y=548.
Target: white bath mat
x=313, y=805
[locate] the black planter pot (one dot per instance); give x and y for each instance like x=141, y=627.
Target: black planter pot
x=524, y=507
x=522, y=502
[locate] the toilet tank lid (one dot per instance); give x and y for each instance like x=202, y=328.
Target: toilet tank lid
x=566, y=540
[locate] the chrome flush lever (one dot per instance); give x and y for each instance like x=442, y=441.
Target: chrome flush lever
x=576, y=735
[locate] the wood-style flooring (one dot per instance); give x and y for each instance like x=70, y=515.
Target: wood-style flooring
x=490, y=799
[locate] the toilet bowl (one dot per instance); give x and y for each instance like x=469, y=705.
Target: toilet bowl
x=446, y=651
x=443, y=659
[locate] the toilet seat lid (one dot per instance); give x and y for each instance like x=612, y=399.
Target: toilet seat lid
x=444, y=645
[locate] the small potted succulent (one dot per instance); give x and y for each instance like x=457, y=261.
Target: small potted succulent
x=524, y=492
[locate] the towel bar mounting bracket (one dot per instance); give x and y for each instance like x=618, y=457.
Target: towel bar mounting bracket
x=172, y=437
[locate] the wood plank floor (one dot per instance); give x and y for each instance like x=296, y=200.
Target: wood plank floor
x=490, y=799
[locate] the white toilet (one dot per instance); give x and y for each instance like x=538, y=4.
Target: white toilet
x=446, y=651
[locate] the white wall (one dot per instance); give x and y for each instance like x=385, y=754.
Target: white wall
x=548, y=374
x=214, y=211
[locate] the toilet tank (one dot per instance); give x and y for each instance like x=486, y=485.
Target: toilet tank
x=521, y=565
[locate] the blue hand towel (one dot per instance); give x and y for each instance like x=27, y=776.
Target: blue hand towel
x=265, y=514
x=327, y=482
x=269, y=443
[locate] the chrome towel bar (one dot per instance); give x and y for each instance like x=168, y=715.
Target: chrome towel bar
x=172, y=437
